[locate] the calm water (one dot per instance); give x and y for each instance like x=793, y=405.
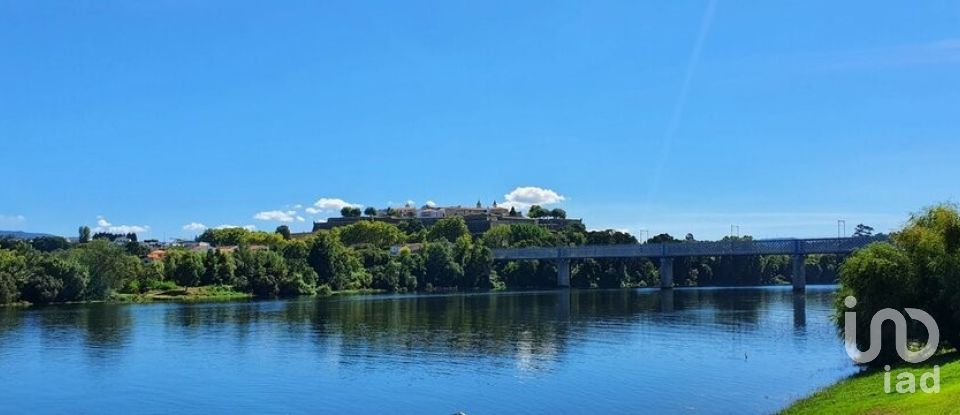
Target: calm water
x=698, y=351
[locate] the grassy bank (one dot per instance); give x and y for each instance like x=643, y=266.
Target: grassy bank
x=208, y=293
x=864, y=393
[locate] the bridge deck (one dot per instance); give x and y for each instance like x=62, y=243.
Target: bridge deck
x=682, y=249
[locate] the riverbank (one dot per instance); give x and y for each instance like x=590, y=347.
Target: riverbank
x=206, y=293
x=864, y=393
x=209, y=293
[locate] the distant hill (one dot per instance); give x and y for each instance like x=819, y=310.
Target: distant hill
x=21, y=235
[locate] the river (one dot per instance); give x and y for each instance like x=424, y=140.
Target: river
x=697, y=351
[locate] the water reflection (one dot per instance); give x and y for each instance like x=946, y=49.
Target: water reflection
x=609, y=336
x=468, y=326
x=799, y=311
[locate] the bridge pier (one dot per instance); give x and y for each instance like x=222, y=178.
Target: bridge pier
x=563, y=273
x=666, y=272
x=799, y=272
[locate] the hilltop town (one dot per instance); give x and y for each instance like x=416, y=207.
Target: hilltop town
x=478, y=218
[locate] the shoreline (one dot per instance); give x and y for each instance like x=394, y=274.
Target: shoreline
x=864, y=392
x=214, y=294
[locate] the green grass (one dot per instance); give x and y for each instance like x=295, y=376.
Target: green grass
x=207, y=293
x=864, y=393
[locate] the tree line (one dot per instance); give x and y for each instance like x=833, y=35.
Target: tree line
x=358, y=257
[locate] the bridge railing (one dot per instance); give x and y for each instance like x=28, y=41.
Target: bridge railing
x=718, y=248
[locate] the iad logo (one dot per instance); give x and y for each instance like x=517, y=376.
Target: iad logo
x=906, y=381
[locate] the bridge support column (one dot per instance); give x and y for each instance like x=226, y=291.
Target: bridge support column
x=563, y=273
x=666, y=272
x=799, y=273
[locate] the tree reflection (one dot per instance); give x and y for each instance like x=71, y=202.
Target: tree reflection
x=531, y=330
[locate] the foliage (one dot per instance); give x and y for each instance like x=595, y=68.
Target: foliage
x=379, y=234
x=110, y=267
x=350, y=212
x=863, y=230
x=13, y=274
x=84, y=234
x=518, y=236
x=54, y=279
x=919, y=268
x=184, y=267
x=448, y=229
x=49, y=243
x=284, y=232
x=440, y=267
x=238, y=236
x=610, y=237
x=332, y=262
x=536, y=211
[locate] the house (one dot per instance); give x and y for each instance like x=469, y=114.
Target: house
x=478, y=218
x=192, y=245
x=156, y=255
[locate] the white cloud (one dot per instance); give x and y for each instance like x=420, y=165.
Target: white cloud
x=329, y=205
x=12, y=219
x=247, y=227
x=431, y=203
x=103, y=225
x=194, y=227
x=277, y=215
x=301, y=219
x=298, y=206
x=411, y=203
x=524, y=197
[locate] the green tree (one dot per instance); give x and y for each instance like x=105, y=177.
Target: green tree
x=331, y=261
x=54, y=279
x=536, y=211
x=526, y=235
x=184, y=267
x=558, y=213
x=270, y=271
x=111, y=267
x=412, y=269
x=448, y=229
x=477, y=268
x=211, y=271
x=379, y=234
x=224, y=237
x=370, y=211
x=497, y=237
x=350, y=212
x=49, y=243
x=863, y=230
x=868, y=275
x=918, y=268
x=13, y=274
x=84, y=234
x=136, y=249
x=440, y=267
x=389, y=276
x=284, y=231
x=226, y=268
x=663, y=237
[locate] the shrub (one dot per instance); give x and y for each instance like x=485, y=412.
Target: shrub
x=920, y=268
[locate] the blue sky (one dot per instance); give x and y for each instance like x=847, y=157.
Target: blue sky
x=666, y=116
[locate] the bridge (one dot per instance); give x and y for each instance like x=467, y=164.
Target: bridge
x=797, y=249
